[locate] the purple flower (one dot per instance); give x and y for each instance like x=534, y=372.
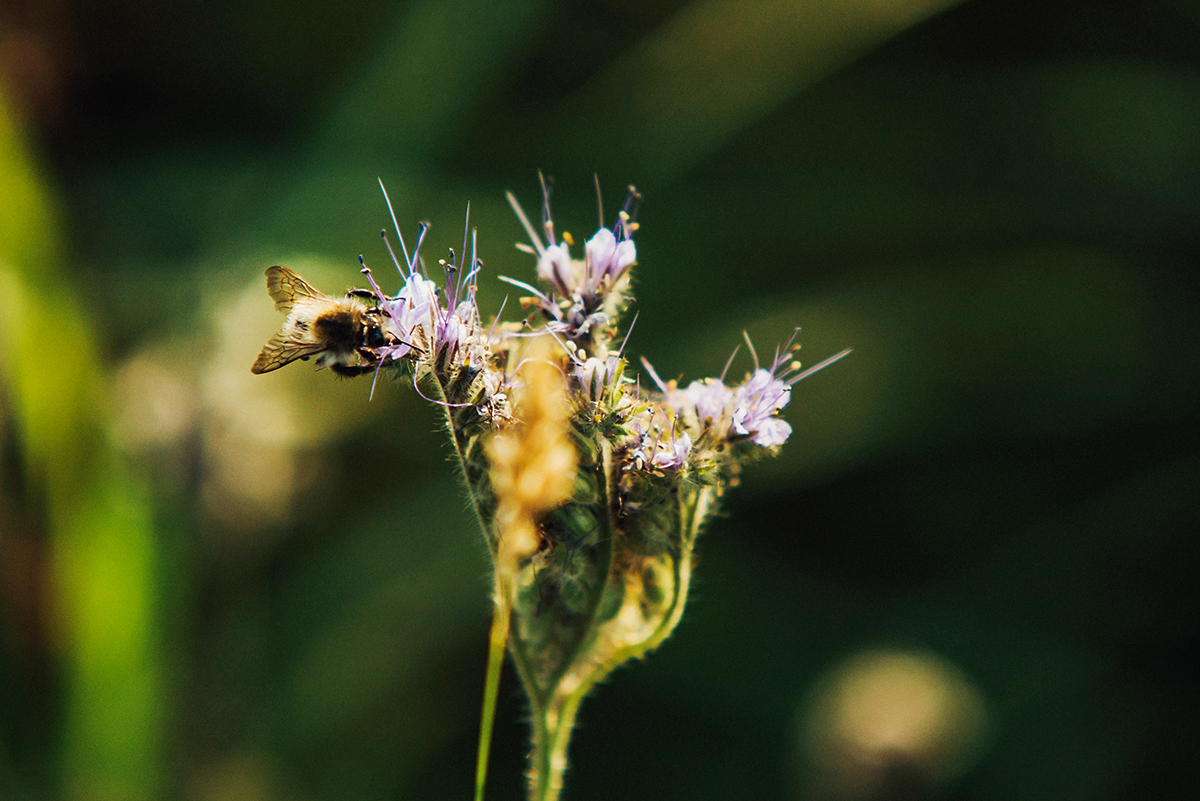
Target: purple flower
x=410, y=316
x=555, y=266
x=656, y=445
x=443, y=337
x=672, y=455
x=747, y=410
x=598, y=376
x=710, y=399
x=583, y=297
x=755, y=403
x=607, y=260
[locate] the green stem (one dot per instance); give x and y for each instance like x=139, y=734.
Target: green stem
x=501, y=615
x=554, y=715
x=462, y=464
x=552, y=735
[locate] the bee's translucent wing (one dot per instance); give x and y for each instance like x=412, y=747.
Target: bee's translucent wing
x=281, y=350
x=285, y=288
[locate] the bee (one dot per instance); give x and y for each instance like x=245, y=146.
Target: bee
x=343, y=333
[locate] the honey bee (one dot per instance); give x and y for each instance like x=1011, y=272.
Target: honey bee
x=342, y=333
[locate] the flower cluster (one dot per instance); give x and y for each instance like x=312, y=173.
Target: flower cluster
x=596, y=571
x=582, y=298
x=435, y=329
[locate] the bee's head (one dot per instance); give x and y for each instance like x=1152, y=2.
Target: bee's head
x=373, y=336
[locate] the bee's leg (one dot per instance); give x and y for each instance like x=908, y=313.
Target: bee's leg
x=352, y=370
x=397, y=341
x=363, y=294
x=369, y=358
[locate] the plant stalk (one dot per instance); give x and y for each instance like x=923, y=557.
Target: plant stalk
x=498, y=639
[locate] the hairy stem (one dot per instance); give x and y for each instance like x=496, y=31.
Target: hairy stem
x=501, y=615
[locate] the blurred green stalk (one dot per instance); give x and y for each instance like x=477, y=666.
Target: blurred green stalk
x=103, y=580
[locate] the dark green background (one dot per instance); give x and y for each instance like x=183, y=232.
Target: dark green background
x=997, y=207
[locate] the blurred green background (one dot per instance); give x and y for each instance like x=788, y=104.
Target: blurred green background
x=965, y=576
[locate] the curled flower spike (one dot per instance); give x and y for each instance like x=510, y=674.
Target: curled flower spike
x=584, y=297
x=591, y=491
x=748, y=410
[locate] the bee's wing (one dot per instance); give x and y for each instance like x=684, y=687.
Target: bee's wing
x=285, y=288
x=281, y=350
